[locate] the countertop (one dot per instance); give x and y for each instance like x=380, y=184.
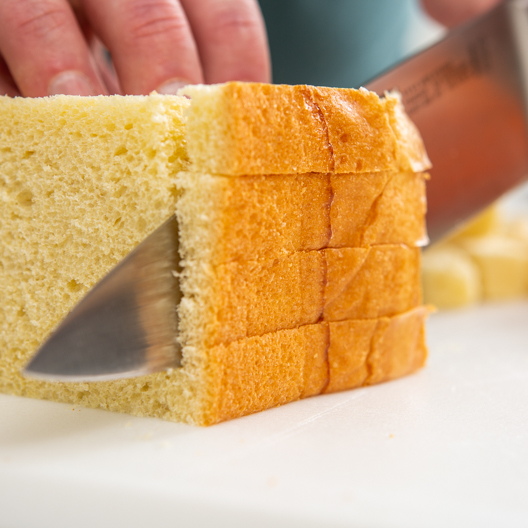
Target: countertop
x=445, y=447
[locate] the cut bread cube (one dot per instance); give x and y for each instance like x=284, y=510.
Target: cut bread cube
x=503, y=264
x=517, y=229
x=483, y=224
x=450, y=278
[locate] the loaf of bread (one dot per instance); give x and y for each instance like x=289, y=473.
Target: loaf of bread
x=300, y=216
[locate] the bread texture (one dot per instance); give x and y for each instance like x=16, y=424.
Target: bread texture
x=299, y=129
x=253, y=297
x=300, y=211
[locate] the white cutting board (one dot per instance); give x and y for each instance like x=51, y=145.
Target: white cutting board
x=446, y=447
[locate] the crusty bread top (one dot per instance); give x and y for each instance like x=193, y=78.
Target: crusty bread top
x=250, y=129
x=407, y=135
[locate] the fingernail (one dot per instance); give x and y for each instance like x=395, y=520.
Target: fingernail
x=71, y=83
x=171, y=87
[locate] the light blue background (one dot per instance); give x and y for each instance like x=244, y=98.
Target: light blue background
x=340, y=43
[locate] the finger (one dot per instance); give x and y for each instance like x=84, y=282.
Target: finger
x=105, y=66
x=151, y=43
x=231, y=39
x=82, y=21
x=7, y=84
x=98, y=53
x=45, y=50
x=454, y=12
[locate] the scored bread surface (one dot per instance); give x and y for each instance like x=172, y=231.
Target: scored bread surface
x=300, y=210
x=265, y=129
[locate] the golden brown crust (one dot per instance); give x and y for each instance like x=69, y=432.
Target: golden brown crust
x=412, y=151
x=254, y=374
x=252, y=298
x=316, y=368
x=381, y=208
x=265, y=371
x=360, y=136
x=387, y=361
x=268, y=129
x=307, y=258
x=348, y=353
x=280, y=129
x=373, y=351
x=370, y=283
x=269, y=216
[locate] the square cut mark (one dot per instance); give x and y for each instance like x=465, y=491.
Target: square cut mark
x=360, y=134
x=349, y=348
x=398, y=346
x=257, y=373
x=289, y=138
x=272, y=215
x=275, y=298
x=378, y=208
x=260, y=217
x=260, y=372
x=366, y=283
x=259, y=297
x=372, y=351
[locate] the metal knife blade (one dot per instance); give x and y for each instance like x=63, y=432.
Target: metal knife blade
x=126, y=325
x=467, y=95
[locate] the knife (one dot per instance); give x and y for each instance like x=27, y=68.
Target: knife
x=467, y=95
x=126, y=325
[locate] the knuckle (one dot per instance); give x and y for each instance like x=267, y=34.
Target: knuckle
x=149, y=20
x=42, y=20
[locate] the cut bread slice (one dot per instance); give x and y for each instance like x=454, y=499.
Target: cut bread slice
x=269, y=129
x=259, y=176
x=248, y=298
x=450, y=278
x=271, y=215
x=260, y=372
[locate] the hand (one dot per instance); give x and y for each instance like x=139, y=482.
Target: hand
x=454, y=12
x=49, y=47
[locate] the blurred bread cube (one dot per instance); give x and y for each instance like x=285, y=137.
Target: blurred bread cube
x=450, y=278
x=484, y=223
x=487, y=259
x=503, y=264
